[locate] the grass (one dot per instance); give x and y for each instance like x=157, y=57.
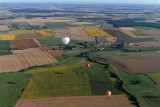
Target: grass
x=136, y=39
x=57, y=81
x=100, y=80
x=145, y=93
x=139, y=33
x=4, y=47
x=155, y=76
x=11, y=85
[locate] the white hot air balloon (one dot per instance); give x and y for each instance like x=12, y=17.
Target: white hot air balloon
x=65, y=40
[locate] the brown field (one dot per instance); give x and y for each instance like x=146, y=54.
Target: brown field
x=9, y=63
x=93, y=27
x=152, y=32
x=22, y=44
x=137, y=65
x=157, y=86
x=35, y=58
x=146, y=44
x=129, y=33
x=43, y=48
x=117, y=33
x=26, y=50
x=3, y=28
x=127, y=28
x=78, y=101
x=76, y=33
x=56, y=53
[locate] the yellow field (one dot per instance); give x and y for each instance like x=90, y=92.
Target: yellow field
x=57, y=81
x=96, y=32
x=28, y=32
x=46, y=32
x=9, y=37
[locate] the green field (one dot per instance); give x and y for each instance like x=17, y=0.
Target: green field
x=136, y=39
x=139, y=33
x=155, y=76
x=57, y=24
x=140, y=86
x=4, y=47
x=57, y=41
x=11, y=86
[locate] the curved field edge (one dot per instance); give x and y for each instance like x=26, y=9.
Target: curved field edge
x=71, y=80
x=11, y=86
x=140, y=88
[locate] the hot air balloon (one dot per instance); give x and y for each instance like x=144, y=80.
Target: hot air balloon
x=88, y=65
x=65, y=40
x=108, y=93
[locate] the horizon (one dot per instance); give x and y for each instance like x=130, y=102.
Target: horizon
x=82, y=2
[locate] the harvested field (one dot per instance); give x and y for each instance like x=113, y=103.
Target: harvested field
x=146, y=44
x=157, y=86
x=22, y=44
x=117, y=33
x=56, y=53
x=127, y=28
x=75, y=37
x=26, y=50
x=77, y=31
x=9, y=63
x=128, y=33
x=152, y=32
x=3, y=28
x=137, y=65
x=78, y=34
x=35, y=58
x=43, y=48
x=77, y=101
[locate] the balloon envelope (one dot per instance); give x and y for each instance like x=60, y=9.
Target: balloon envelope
x=88, y=65
x=108, y=93
x=65, y=40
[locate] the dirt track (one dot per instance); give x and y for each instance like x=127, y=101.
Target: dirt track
x=77, y=101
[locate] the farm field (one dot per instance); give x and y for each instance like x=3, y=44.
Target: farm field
x=155, y=76
x=77, y=101
x=80, y=23
x=32, y=34
x=155, y=33
x=4, y=47
x=136, y=39
x=56, y=53
x=127, y=28
x=140, y=33
x=76, y=33
x=9, y=63
x=60, y=82
x=35, y=58
x=26, y=50
x=146, y=44
x=11, y=86
x=3, y=28
x=137, y=65
x=135, y=84
x=22, y=44
x=93, y=32
x=129, y=33
x=7, y=37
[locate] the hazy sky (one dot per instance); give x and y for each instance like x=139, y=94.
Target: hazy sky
x=86, y=1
